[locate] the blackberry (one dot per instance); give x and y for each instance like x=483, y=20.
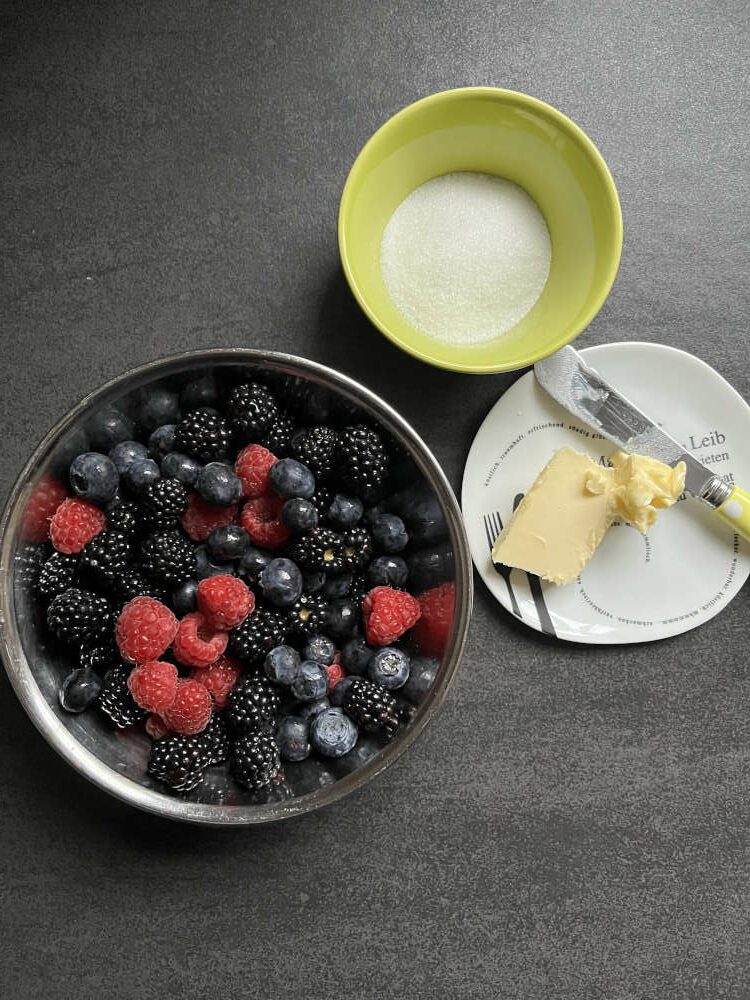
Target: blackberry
x=125, y=517
x=101, y=659
x=252, y=706
x=259, y=633
x=363, y=460
x=321, y=500
x=57, y=575
x=132, y=583
x=358, y=588
x=320, y=550
x=278, y=435
x=168, y=558
x=179, y=762
x=372, y=708
x=105, y=558
x=307, y=616
x=28, y=563
x=79, y=617
x=202, y=433
x=117, y=702
x=256, y=762
x=357, y=548
x=164, y=501
x=215, y=740
x=251, y=409
x=315, y=447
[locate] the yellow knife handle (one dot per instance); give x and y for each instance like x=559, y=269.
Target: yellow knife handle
x=735, y=511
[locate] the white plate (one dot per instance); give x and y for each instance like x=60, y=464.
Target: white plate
x=636, y=588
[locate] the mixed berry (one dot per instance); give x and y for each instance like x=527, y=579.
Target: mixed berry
x=247, y=569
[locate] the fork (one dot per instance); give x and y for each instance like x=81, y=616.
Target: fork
x=493, y=522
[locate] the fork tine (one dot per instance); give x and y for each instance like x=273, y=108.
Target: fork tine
x=487, y=532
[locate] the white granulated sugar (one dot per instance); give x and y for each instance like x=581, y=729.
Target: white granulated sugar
x=465, y=256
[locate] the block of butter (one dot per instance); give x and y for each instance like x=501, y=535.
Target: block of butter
x=562, y=519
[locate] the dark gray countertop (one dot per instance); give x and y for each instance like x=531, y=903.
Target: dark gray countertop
x=575, y=822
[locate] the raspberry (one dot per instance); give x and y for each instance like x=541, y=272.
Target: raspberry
x=225, y=601
x=252, y=467
x=153, y=685
x=197, y=644
x=74, y=524
x=157, y=728
x=219, y=678
x=261, y=519
x=433, y=630
x=191, y=709
x=144, y=630
x=200, y=517
x=45, y=498
x=387, y=614
x=335, y=673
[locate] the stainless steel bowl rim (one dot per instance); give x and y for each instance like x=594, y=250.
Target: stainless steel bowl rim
x=164, y=804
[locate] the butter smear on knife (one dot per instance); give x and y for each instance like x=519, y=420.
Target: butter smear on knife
x=562, y=519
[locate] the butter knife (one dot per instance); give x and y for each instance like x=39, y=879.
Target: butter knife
x=585, y=394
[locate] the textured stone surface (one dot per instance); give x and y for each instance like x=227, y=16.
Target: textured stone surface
x=575, y=822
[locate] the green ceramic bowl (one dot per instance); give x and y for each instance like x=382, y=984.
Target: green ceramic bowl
x=510, y=135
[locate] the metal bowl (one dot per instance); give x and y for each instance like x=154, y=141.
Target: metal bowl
x=115, y=760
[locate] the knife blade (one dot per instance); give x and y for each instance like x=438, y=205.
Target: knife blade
x=585, y=394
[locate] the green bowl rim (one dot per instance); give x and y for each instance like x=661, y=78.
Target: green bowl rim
x=578, y=136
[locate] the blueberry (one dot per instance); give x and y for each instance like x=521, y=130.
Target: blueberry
x=341, y=618
x=299, y=515
x=80, y=689
x=345, y=511
x=281, y=582
x=332, y=733
x=161, y=441
x=389, y=531
x=432, y=566
x=205, y=566
x=387, y=571
x=389, y=667
x=421, y=677
x=309, y=709
x=293, y=738
x=356, y=656
x=291, y=478
x=337, y=586
x=311, y=682
x=321, y=649
x=218, y=484
x=109, y=427
x=183, y=467
x=185, y=598
x=424, y=516
x=281, y=665
x=140, y=474
x=252, y=562
x=203, y=391
x=340, y=689
x=126, y=452
x=157, y=405
x=94, y=477
x=313, y=582
x=227, y=543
